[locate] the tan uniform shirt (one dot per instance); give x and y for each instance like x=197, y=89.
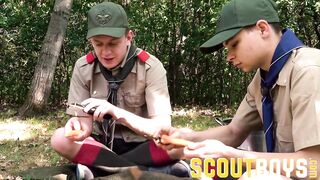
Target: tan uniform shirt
x=144, y=92
x=296, y=102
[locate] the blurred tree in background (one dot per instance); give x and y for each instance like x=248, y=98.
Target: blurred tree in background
x=39, y=92
x=172, y=30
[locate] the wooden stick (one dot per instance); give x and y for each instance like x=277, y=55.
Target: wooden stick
x=72, y=133
x=165, y=139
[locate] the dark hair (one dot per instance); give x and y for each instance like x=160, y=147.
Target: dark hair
x=276, y=26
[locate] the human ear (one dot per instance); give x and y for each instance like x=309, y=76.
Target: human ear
x=263, y=26
x=130, y=35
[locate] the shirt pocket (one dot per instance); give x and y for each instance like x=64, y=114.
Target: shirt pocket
x=134, y=103
x=134, y=100
x=285, y=139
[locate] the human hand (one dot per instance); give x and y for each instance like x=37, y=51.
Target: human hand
x=168, y=133
x=76, y=109
x=78, y=128
x=171, y=140
x=207, y=149
x=102, y=108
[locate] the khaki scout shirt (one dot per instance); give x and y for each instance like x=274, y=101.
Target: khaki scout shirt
x=144, y=92
x=296, y=102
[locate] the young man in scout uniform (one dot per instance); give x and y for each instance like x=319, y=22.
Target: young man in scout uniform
x=134, y=82
x=283, y=97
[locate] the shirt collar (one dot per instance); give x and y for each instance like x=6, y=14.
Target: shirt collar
x=288, y=42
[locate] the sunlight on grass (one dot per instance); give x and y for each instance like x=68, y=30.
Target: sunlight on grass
x=14, y=130
x=25, y=144
x=196, y=123
x=197, y=118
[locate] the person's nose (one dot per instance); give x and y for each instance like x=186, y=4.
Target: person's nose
x=230, y=57
x=106, y=51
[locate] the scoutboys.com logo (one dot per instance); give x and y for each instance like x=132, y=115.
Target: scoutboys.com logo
x=235, y=167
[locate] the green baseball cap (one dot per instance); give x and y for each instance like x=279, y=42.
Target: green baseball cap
x=107, y=18
x=236, y=15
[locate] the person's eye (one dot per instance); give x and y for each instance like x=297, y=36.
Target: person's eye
x=114, y=43
x=234, y=45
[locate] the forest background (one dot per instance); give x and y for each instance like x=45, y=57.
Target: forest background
x=172, y=30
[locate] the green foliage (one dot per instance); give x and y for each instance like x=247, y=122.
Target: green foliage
x=23, y=30
x=171, y=30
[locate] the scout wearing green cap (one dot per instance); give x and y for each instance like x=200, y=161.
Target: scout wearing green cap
x=282, y=98
x=235, y=16
x=108, y=19
x=132, y=83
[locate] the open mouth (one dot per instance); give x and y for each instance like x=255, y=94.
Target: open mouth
x=108, y=59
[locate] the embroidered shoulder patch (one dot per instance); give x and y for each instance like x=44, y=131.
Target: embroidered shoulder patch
x=143, y=56
x=90, y=57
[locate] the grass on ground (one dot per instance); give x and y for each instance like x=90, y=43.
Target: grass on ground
x=25, y=144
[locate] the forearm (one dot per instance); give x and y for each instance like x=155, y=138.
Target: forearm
x=224, y=134
x=140, y=125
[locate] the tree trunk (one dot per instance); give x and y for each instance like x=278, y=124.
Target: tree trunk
x=39, y=92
